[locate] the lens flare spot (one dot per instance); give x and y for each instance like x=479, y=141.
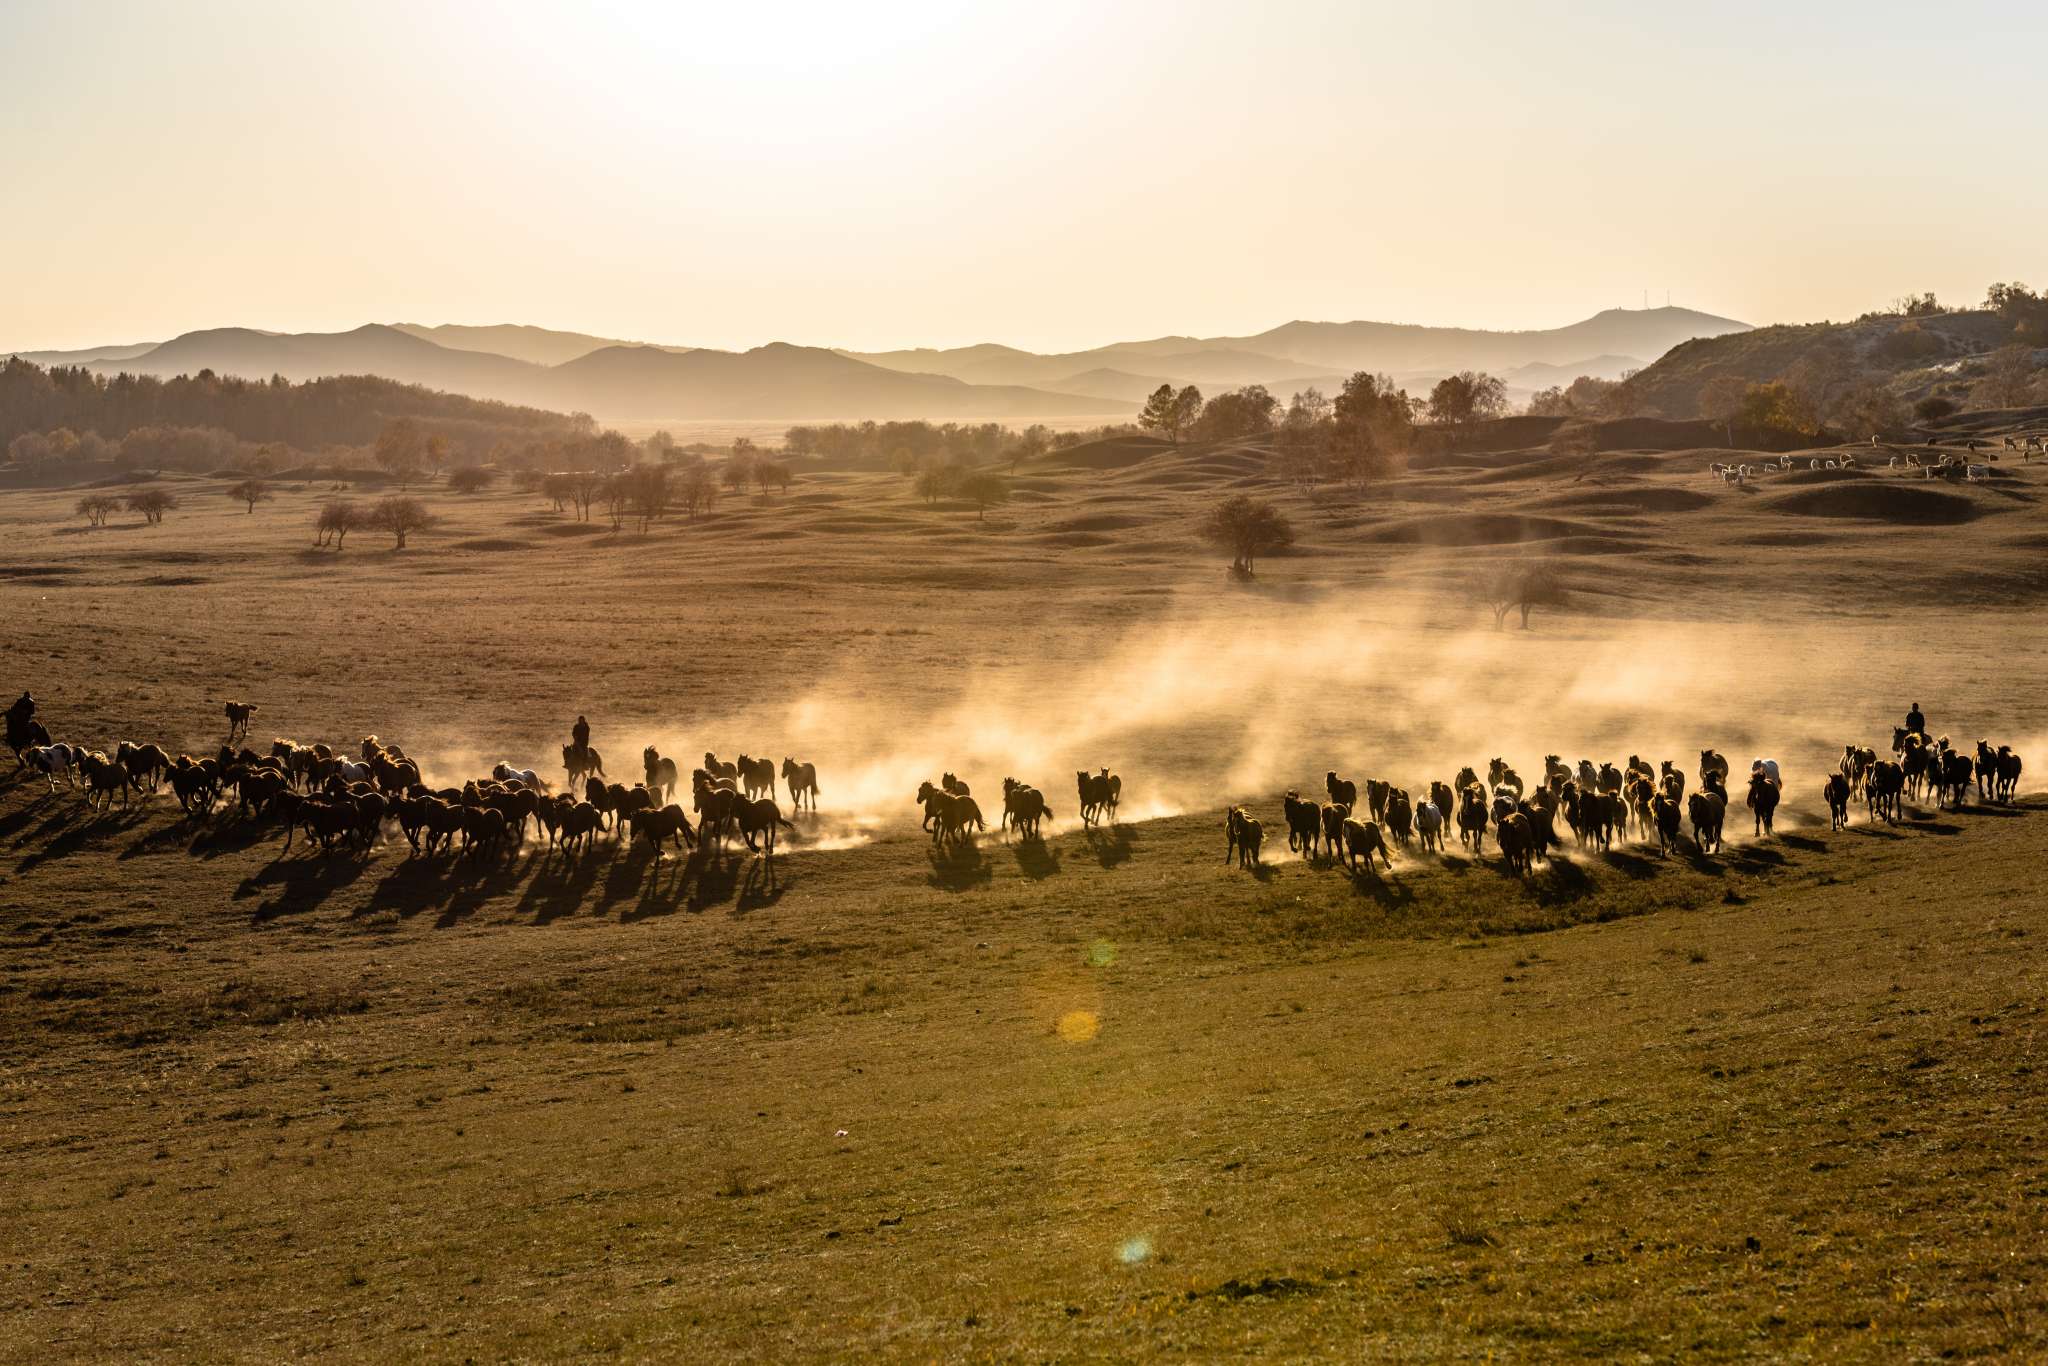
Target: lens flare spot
x=1134, y=1250
x=1101, y=954
x=1079, y=1026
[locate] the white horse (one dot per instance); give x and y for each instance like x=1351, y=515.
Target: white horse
x=352, y=772
x=52, y=760
x=526, y=777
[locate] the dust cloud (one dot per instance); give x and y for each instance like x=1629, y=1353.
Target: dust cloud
x=1239, y=703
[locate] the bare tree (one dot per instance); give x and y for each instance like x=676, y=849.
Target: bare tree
x=1513, y=585
x=697, y=491
x=401, y=516
x=336, y=520
x=647, y=492
x=555, y=487
x=616, y=497
x=95, y=507
x=250, y=491
x=1247, y=528
x=152, y=503
x=472, y=479
x=583, y=488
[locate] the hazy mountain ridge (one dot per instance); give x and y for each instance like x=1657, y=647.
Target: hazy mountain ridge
x=581, y=372
x=1300, y=353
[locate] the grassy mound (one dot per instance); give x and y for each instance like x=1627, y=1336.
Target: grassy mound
x=1477, y=528
x=1899, y=504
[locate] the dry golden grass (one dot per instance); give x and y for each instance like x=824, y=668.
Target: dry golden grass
x=1103, y=1099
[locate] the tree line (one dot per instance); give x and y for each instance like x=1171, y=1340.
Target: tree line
x=195, y=417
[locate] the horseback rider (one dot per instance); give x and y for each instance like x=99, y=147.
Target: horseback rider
x=579, y=735
x=1916, y=724
x=24, y=708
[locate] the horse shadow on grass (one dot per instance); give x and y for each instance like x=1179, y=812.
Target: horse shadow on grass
x=234, y=837
x=1389, y=892
x=295, y=886
x=1035, y=858
x=957, y=867
x=1110, y=846
x=1803, y=844
x=558, y=887
x=1634, y=867
x=61, y=835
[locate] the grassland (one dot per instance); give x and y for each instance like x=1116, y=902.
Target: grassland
x=1100, y=1098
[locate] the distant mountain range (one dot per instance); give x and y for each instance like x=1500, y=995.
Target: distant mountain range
x=574, y=371
x=1299, y=354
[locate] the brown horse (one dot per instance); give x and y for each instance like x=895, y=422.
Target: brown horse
x=803, y=781
x=661, y=772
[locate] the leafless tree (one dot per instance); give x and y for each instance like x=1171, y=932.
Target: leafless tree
x=472, y=479
x=583, y=488
x=152, y=503
x=336, y=520
x=401, y=516
x=95, y=507
x=250, y=491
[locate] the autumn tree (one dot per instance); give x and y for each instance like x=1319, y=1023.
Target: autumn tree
x=930, y=485
x=1236, y=414
x=1369, y=429
x=903, y=461
x=1815, y=383
x=152, y=503
x=250, y=491
x=1247, y=528
x=435, y=453
x=472, y=479
x=739, y=468
x=95, y=508
x=984, y=490
x=1170, y=413
x=1720, y=402
x=399, y=446
x=2008, y=380
x=401, y=516
x=1467, y=397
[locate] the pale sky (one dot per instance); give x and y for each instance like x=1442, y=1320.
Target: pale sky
x=1052, y=175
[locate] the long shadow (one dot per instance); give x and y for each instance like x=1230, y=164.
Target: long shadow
x=717, y=872
x=1805, y=845
x=1561, y=881
x=1112, y=846
x=1036, y=859
x=234, y=837
x=957, y=867
x=1389, y=892
x=761, y=888
x=1632, y=866
x=558, y=886
x=62, y=835
x=17, y=820
x=297, y=885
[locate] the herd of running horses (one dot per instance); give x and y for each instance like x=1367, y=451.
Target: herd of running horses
x=344, y=801
x=1599, y=803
